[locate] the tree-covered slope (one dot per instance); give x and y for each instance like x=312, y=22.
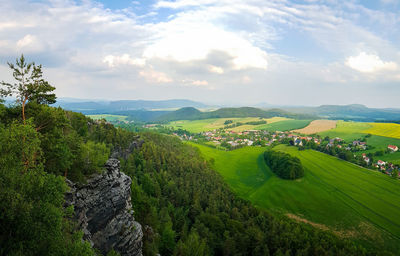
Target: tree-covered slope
x=191, y=210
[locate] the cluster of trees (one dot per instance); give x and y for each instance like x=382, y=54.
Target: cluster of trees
x=256, y=122
x=230, y=124
x=284, y=165
x=186, y=209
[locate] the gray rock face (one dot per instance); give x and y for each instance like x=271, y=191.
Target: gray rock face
x=104, y=212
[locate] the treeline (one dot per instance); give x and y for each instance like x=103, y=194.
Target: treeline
x=186, y=209
x=284, y=165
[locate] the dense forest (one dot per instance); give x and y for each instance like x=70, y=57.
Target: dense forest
x=284, y=165
x=184, y=206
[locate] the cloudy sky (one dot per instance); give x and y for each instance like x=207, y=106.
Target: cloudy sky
x=308, y=52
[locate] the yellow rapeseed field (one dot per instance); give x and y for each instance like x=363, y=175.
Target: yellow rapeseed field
x=384, y=129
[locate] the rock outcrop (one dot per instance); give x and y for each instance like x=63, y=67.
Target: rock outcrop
x=104, y=212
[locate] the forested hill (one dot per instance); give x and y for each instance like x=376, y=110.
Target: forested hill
x=101, y=106
x=194, y=114
x=354, y=112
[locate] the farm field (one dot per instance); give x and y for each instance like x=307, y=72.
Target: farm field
x=203, y=125
x=348, y=131
x=286, y=125
x=380, y=143
x=334, y=194
x=317, y=126
x=385, y=129
x=110, y=118
x=393, y=158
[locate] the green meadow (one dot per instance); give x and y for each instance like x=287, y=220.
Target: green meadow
x=273, y=124
x=349, y=200
x=348, y=131
x=286, y=125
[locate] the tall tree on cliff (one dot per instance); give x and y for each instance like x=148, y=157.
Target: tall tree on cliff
x=29, y=85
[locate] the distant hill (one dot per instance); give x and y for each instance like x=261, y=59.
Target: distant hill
x=354, y=112
x=194, y=114
x=100, y=107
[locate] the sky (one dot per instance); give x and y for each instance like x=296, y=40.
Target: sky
x=281, y=52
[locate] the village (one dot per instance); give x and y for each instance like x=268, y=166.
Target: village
x=227, y=139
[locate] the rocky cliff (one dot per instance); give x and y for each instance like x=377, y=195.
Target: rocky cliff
x=104, y=212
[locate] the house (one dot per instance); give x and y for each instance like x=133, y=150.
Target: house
x=366, y=159
x=356, y=143
x=381, y=163
x=393, y=148
x=298, y=142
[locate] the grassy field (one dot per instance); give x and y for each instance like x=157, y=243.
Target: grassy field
x=286, y=125
x=384, y=129
x=348, y=131
x=203, y=125
x=380, y=143
x=334, y=194
x=317, y=126
x=109, y=118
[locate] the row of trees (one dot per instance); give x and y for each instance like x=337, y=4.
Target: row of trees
x=284, y=165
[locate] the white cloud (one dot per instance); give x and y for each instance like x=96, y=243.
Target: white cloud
x=187, y=38
x=215, y=69
x=125, y=59
x=200, y=82
x=29, y=43
x=153, y=76
x=368, y=63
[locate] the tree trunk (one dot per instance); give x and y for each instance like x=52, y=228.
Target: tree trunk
x=23, y=109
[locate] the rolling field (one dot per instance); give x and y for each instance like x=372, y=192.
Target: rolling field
x=380, y=143
x=286, y=125
x=203, y=125
x=348, y=131
x=385, y=129
x=349, y=200
x=110, y=118
x=317, y=126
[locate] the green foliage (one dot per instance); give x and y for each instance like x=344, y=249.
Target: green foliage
x=228, y=122
x=94, y=156
x=284, y=165
x=339, y=195
x=395, y=174
x=31, y=212
x=191, y=211
x=29, y=85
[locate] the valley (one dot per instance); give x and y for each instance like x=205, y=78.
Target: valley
x=349, y=200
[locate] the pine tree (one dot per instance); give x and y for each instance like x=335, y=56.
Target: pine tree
x=29, y=85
